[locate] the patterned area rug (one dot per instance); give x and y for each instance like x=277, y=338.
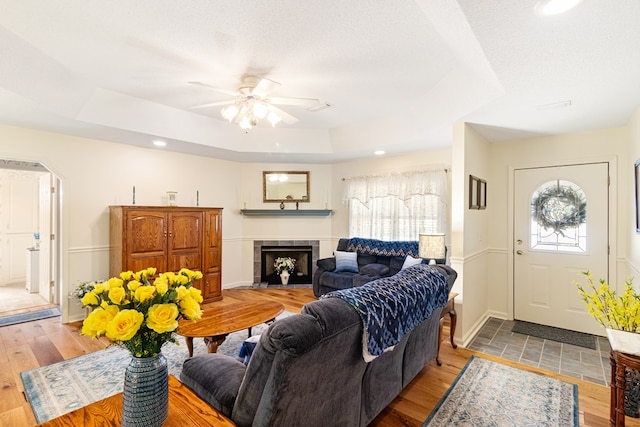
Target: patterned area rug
x=487, y=393
x=56, y=389
x=27, y=317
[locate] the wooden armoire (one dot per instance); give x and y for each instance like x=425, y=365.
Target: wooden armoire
x=168, y=238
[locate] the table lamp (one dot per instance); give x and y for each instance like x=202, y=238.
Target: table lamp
x=432, y=247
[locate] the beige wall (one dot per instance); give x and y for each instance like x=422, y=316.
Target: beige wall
x=95, y=174
x=470, y=257
x=493, y=248
x=633, y=241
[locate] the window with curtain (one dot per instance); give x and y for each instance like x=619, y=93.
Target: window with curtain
x=397, y=206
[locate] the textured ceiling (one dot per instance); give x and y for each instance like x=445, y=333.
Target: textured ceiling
x=397, y=74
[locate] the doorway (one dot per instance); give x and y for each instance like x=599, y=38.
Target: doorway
x=27, y=223
x=561, y=223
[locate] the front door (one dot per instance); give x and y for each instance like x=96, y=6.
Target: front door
x=560, y=230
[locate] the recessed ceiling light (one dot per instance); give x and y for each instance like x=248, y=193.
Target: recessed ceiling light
x=159, y=143
x=378, y=152
x=554, y=7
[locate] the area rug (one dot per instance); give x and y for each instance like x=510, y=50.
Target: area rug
x=27, y=317
x=59, y=388
x=555, y=334
x=487, y=393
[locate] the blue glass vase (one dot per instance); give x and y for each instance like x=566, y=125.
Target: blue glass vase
x=146, y=392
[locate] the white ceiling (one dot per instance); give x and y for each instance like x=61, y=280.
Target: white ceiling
x=398, y=74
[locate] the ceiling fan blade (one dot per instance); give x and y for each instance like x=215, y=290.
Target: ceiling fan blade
x=305, y=102
x=286, y=117
x=213, y=104
x=225, y=91
x=264, y=87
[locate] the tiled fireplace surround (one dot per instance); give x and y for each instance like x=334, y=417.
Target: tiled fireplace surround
x=257, y=253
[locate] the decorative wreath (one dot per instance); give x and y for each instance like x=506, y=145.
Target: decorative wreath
x=559, y=208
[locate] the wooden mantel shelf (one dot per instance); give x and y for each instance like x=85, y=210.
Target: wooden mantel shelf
x=286, y=212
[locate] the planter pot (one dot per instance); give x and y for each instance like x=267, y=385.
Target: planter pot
x=284, y=277
x=628, y=343
x=624, y=342
x=146, y=392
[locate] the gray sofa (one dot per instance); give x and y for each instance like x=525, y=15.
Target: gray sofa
x=375, y=258
x=308, y=369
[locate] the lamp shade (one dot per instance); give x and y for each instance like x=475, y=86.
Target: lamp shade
x=431, y=246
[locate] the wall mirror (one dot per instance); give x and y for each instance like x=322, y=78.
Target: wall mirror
x=285, y=186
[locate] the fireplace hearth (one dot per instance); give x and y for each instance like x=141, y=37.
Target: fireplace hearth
x=305, y=252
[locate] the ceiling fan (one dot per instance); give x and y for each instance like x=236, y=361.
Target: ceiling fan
x=252, y=102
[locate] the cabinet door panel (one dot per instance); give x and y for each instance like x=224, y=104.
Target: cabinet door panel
x=185, y=231
x=185, y=240
x=211, y=266
x=210, y=286
x=146, y=240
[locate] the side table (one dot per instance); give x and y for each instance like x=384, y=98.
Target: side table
x=619, y=363
x=449, y=309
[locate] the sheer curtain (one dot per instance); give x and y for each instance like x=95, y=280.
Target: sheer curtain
x=397, y=206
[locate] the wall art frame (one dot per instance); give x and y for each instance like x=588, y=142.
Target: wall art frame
x=477, y=193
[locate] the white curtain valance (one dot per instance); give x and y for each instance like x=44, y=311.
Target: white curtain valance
x=403, y=185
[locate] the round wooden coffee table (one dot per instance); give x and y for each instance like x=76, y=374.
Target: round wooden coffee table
x=219, y=321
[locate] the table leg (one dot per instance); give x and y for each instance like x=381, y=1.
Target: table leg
x=189, y=341
x=452, y=328
x=214, y=342
x=618, y=384
x=440, y=325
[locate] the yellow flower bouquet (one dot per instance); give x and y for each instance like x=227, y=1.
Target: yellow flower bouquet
x=139, y=315
x=610, y=310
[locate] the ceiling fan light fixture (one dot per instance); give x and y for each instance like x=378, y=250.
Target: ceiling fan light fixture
x=260, y=109
x=245, y=123
x=230, y=112
x=274, y=118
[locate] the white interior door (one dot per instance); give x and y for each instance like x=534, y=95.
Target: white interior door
x=560, y=230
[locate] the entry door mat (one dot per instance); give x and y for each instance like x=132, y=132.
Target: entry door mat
x=488, y=393
x=555, y=334
x=28, y=317
x=59, y=388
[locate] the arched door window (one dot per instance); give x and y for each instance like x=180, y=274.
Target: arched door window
x=558, y=217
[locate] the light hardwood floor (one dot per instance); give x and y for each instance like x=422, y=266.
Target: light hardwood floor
x=30, y=345
x=15, y=299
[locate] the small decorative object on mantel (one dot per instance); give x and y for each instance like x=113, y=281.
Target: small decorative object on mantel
x=172, y=198
x=619, y=316
x=281, y=205
x=284, y=267
x=141, y=316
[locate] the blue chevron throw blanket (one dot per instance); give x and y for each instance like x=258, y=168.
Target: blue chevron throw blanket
x=392, y=306
x=382, y=247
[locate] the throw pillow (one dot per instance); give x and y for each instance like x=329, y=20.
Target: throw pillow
x=410, y=261
x=346, y=261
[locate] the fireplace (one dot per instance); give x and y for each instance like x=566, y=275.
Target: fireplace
x=305, y=252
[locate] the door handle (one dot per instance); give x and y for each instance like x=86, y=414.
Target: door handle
x=519, y=252
x=519, y=241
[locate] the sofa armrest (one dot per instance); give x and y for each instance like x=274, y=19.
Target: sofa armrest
x=327, y=264
x=216, y=378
